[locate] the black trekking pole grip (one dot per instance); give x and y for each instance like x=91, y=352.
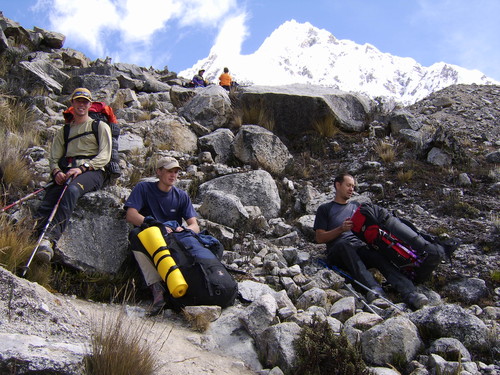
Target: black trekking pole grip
x=26, y=197
x=46, y=227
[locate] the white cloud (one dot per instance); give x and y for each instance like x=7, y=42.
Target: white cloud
x=205, y=12
x=81, y=22
x=91, y=23
x=231, y=36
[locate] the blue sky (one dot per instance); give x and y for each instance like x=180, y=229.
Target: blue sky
x=178, y=33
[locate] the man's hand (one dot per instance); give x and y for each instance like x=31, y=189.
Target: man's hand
x=347, y=225
x=73, y=172
x=170, y=230
x=60, y=177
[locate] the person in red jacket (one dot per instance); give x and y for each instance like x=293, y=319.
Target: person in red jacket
x=225, y=79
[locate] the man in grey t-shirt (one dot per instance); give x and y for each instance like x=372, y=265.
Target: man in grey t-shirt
x=333, y=226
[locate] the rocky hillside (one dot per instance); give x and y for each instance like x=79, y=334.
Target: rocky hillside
x=258, y=161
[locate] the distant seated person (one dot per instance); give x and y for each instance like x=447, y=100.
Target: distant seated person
x=225, y=79
x=198, y=80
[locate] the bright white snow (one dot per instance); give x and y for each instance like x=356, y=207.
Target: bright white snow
x=301, y=53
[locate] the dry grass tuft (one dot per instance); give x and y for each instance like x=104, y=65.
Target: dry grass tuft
x=198, y=322
x=119, y=347
x=17, y=133
x=14, y=172
x=325, y=126
x=16, y=243
x=405, y=176
x=134, y=178
x=255, y=115
x=16, y=247
x=385, y=151
x=15, y=118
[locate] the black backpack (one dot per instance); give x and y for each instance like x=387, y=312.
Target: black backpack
x=99, y=111
x=400, y=241
x=198, y=258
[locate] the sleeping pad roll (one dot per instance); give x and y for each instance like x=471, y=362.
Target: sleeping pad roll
x=152, y=239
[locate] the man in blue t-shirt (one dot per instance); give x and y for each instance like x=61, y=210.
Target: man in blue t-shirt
x=333, y=226
x=163, y=202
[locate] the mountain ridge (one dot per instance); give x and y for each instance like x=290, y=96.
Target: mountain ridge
x=285, y=58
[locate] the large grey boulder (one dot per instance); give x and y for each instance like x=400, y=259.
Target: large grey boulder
x=230, y=338
x=294, y=110
x=451, y=349
x=260, y=315
x=224, y=208
x=41, y=333
x=96, y=238
x=181, y=95
x=71, y=57
x=102, y=87
x=15, y=34
x=438, y=157
x=403, y=119
x=211, y=107
x=449, y=320
x=312, y=297
x=396, y=336
x=257, y=146
x=170, y=133
x=51, y=39
x=254, y=188
x=218, y=143
x=343, y=309
x=359, y=323
x=42, y=72
x=275, y=345
x=469, y=291
x=4, y=43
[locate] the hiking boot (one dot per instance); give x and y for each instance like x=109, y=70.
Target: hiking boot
x=416, y=300
x=450, y=245
x=158, y=298
x=45, y=252
x=376, y=292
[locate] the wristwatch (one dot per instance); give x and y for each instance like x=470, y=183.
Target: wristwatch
x=86, y=166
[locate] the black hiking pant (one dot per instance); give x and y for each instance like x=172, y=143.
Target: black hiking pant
x=356, y=257
x=83, y=183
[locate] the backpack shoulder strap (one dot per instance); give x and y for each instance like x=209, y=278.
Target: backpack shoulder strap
x=95, y=129
x=66, y=137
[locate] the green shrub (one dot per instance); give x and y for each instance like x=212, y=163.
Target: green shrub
x=96, y=286
x=319, y=351
x=453, y=206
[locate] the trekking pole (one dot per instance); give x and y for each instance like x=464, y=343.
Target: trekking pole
x=342, y=273
x=26, y=197
x=47, y=224
x=359, y=298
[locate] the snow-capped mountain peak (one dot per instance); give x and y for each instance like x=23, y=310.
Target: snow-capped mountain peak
x=301, y=53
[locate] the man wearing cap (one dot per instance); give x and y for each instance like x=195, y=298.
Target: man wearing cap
x=198, y=80
x=160, y=201
x=80, y=160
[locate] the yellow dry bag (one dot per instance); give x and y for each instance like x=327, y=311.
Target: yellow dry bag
x=152, y=239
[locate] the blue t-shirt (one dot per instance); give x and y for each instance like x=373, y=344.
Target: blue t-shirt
x=163, y=206
x=331, y=215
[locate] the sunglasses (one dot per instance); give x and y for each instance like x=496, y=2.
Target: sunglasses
x=81, y=93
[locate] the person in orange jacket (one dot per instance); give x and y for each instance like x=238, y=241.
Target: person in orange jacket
x=225, y=79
